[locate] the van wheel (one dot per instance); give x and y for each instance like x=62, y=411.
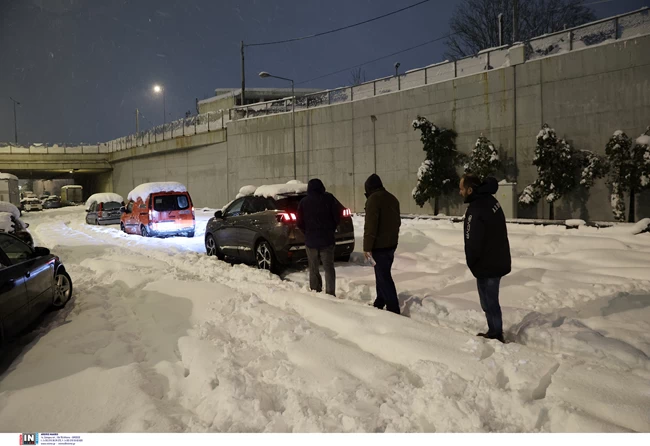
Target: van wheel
x=144, y=231
x=264, y=257
x=62, y=289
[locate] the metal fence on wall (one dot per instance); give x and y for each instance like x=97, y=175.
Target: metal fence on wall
x=624, y=26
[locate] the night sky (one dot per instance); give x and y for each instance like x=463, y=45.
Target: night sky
x=80, y=68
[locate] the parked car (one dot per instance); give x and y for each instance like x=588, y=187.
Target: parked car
x=52, y=202
x=32, y=204
x=11, y=223
x=31, y=281
x=104, y=209
x=262, y=231
x=159, y=210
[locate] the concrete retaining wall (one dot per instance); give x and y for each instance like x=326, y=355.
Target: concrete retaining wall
x=585, y=95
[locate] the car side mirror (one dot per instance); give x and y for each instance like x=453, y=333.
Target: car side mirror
x=39, y=251
x=26, y=225
x=218, y=214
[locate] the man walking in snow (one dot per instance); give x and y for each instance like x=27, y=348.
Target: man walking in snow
x=380, y=236
x=318, y=215
x=487, y=249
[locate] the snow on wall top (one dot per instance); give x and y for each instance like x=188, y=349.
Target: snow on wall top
x=146, y=189
x=275, y=190
x=103, y=197
x=7, y=176
x=9, y=208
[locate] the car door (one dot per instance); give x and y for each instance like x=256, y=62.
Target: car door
x=129, y=222
x=247, y=225
x=90, y=219
x=14, y=304
x=224, y=234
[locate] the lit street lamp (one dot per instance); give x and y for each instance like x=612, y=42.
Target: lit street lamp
x=159, y=89
x=264, y=74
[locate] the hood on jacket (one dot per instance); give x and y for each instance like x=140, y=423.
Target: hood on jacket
x=373, y=183
x=315, y=186
x=489, y=186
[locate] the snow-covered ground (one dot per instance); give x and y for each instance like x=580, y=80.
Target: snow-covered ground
x=159, y=337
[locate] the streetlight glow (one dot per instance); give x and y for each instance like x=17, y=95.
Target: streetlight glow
x=264, y=74
x=157, y=88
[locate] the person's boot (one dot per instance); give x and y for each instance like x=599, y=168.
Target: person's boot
x=483, y=335
x=498, y=337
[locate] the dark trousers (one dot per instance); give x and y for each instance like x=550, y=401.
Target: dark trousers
x=315, y=256
x=386, y=292
x=488, y=291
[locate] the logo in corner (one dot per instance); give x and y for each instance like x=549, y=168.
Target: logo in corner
x=29, y=438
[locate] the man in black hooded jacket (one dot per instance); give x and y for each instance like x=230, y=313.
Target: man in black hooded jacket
x=319, y=214
x=487, y=249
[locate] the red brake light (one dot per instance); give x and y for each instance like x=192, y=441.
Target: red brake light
x=286, y=217
x=347, y=213
x=101, y=208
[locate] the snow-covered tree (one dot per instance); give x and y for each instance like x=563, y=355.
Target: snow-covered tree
x=484, y=160
x=560, y=170
x=619, y=153
x=437, y=176
x=641, y=158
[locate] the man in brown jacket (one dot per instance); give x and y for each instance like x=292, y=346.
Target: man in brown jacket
x=380, y=237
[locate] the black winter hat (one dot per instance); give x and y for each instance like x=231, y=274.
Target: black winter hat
x=373, y=183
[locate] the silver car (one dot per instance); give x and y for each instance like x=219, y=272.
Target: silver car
x=104, y=213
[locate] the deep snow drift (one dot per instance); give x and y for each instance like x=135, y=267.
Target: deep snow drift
x=160, y=337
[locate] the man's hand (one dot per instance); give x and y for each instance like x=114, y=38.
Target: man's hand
x=368, y=255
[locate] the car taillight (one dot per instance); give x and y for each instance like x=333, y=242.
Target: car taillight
x=150, y=215
x=101, y=208
x=286, y=217
x=347, y=213
x=193, y=214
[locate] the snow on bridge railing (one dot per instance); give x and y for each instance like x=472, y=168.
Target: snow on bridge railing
x=624, y=26
x=192, y=125
x=53, y=149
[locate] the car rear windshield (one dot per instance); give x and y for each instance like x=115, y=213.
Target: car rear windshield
x=289, y=203
x=166, y=203
x=111, y=206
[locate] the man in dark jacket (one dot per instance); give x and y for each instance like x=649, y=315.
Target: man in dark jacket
x=380, y=236
x=487, y=249
x=319, y=214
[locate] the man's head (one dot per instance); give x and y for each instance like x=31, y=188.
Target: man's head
x=372, y=184
x=315, y=186
x=468, y=184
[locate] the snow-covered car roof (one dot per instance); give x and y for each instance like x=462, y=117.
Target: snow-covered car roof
x=32, y=200
x=9, y=208
x=103, y=197
x=274, y=190
x=7, y=176
x=146, y=189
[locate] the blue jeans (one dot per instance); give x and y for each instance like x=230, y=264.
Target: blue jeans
x=488, y=291
x=386, y=291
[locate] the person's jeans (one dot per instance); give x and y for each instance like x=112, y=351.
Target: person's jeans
x=315, y=256
x=488, y=291
x=386, y=292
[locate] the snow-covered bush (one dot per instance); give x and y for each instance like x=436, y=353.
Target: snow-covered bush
x=484, y=160
x=560, y=170
x=619, y=154
x=437, y=175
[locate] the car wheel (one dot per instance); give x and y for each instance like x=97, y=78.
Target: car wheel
x=264, y=257
x=144, y=231
x=62, y=289
x=211, y=247
x=190, y=234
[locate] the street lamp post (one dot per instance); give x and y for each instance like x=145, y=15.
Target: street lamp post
x=264, y=74
x=158, y=89
x=15, y=120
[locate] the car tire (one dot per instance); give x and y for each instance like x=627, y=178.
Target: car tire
x=62, y=289
x=265, y=257
x=345, y=258
x=212, y=248
x=144, y=231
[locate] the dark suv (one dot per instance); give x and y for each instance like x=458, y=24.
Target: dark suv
x=263, y=231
